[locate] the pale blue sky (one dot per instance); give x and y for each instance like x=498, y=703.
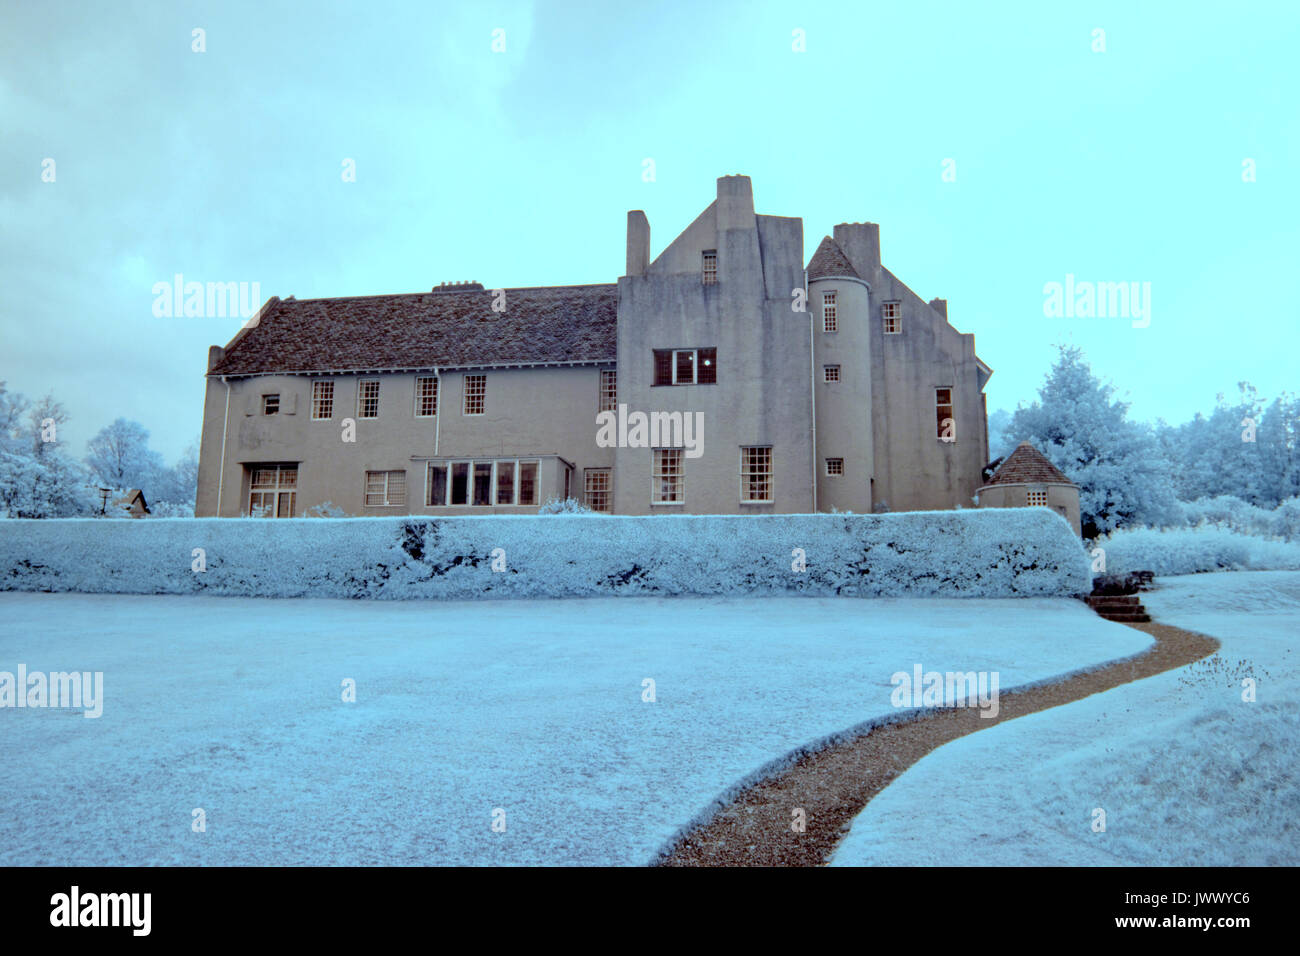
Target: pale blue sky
x=517, y=168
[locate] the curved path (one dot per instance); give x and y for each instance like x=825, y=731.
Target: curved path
x=834, y=784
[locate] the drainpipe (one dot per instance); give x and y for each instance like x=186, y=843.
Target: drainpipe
x=225, y=428
x=812, y=382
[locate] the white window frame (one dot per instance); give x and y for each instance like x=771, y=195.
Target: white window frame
x=362, y=399
x=419, y=398
x=320, y=398
x=608, y=490
x=657, y=476
x=608, y=395
x=830, y=374
x=771, y=476
x=267, y=399
x=388, y=498
x=891, y=316
x=516, y=466
x=276, y=490
x=830, y=312
x=481, y=395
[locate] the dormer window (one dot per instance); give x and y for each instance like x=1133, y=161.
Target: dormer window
x=709, y=272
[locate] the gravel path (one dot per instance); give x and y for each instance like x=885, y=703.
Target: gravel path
x=833, y=785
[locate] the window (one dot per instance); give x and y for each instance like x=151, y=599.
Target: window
x=828, y=312
x=528, y=482
x=270, y=404
x=891, y=314
x=667, y=483
x=426, y=396
x=1038, y=499
x=947, y=428
x=756, y=473
x=710, y=271
x=435, y=484
x=596, y=489
x=273, y=491
x=475, y=394
x=832, y=372
x=608, y=390
x=322, y=400
x=506, y=482
x=368, y=400
x=482, y=483
x=460, y=483
x=686, y=366
x=834, y=467
x=385, y=489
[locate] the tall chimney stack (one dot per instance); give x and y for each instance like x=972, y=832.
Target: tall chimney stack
x=638, y=243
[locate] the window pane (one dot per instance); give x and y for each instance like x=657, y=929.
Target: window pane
x=685, y=368
x=505, y=482
x=426, y=397
x=608, y=390
x=437, y=485
x=460, y=483
x=596, y=489
x=708, y=366
x=663, y=367
x=285, y=506
x=322, y=400
x=528, y=482
x=397, y=488
x=482, y=482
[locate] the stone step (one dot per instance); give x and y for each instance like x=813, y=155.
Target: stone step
x=1129, y=618
x=1111, y=600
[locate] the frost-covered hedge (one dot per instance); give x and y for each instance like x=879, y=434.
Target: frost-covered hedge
x=1191, y=550
x=988, y=553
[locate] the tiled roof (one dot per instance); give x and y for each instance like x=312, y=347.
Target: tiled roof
x=451, y=329
x=830, y=260
x=1027, y=465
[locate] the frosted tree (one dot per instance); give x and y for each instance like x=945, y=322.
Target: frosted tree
x=1082, y=429
x=1220, y=454
x=1279, y=449
x=120, y=457
x=44, y=419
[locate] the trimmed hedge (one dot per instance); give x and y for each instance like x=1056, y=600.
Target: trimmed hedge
x=1012, y=552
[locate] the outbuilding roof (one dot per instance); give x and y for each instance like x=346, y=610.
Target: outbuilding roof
x=1027, y=465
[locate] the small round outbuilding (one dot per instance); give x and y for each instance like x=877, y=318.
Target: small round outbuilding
x=1025, y=479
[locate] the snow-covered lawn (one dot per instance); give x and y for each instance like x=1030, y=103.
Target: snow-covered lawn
x=1185, y=770
x=233, y=705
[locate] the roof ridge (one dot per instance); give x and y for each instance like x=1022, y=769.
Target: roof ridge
x=399, y=295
